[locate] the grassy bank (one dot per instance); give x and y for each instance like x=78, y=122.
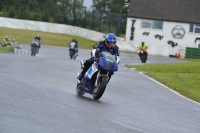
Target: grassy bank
x=182, y=77
x=51, y=39
x=6, y=50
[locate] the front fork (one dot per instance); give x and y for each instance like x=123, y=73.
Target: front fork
x=97, y=78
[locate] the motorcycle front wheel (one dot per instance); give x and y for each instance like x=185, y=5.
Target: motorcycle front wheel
x=33, y=52
x=100, y=88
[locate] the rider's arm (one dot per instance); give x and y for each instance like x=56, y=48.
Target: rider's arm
x=116, y=50
x=117, y=54
x=118, y=59
x=146, y=48
x=139, y=48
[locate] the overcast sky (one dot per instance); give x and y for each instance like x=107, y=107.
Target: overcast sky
x=87, y=3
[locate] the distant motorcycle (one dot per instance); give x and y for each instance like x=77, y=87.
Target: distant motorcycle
x=73, y=50
x=97, y=76
x=35, y=45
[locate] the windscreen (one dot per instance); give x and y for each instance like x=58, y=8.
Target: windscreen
x=72, y=45
x=108, y=57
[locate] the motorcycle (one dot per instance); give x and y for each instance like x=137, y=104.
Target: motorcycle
x=143, y=56
x=97, y=76
x=73, y=50
x=35, y=45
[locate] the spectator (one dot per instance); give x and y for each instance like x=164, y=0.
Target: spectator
x=5, y=41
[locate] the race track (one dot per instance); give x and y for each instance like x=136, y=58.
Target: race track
x=37, y=95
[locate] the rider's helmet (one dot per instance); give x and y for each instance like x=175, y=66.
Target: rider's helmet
x=6, y=37
x=13, y=39
x=142, y=43
x=38, y=36
x=74, y=40
x=110, y=40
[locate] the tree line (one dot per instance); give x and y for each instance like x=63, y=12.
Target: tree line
x=103, y=16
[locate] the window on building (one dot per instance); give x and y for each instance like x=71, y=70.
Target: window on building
x=195, y=28
x=152, y=24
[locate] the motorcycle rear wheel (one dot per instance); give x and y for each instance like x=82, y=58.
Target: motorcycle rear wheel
x=100, y=88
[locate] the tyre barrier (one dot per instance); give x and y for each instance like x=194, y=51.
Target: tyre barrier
x=21, y=51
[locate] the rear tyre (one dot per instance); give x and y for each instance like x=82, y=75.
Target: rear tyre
x=100, y=88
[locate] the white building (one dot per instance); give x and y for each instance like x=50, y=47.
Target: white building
x=165, y=25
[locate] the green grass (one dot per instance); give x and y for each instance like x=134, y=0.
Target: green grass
x=50, y=39
x=182, y=77
x=6, y=50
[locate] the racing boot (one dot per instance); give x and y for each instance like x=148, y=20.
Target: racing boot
x=80, y=76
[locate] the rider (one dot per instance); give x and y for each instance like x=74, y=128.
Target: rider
x=5, y=41
x=76, y=45
x=39, y=39
x=109, y=45
x=144, y=47
x=15, y=44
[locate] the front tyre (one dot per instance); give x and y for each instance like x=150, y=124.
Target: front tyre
x=100, y=88
x=33, y=51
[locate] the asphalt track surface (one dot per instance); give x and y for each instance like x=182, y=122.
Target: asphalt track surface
x=37, y=95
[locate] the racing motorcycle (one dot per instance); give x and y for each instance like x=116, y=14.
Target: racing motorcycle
x=97, y=76
x=73, y=50
x=35, y=45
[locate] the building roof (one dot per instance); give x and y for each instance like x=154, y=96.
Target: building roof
x=187, y=11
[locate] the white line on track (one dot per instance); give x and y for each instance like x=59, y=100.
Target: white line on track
x=166, y=87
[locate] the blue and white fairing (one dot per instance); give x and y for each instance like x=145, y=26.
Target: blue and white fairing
x=87, y=78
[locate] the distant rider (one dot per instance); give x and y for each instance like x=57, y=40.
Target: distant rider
x=144, y=47
x=15, y=44
x=108, y=45
x=40, y=41
x=75, y=45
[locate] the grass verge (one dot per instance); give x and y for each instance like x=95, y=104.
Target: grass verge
x=6, y=50
x=182, y=77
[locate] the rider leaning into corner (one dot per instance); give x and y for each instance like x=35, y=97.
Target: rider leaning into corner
x=144, y=47
x=108, y=45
